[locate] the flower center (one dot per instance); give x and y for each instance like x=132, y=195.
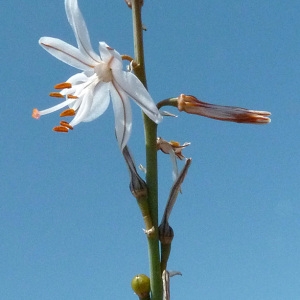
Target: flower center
x=103, y=72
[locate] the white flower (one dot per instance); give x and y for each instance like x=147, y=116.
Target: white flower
x=88, y=93
x=174, y=149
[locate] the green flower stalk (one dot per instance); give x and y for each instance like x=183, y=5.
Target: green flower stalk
x=150, y=129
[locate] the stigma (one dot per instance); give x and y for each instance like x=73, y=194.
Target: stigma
x=35, y=113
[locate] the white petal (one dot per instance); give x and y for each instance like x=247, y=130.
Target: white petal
x=107, y=53
x=74, y=80
x=78, y=78
x=136, y=90
x=174, y=164
x=76, y=105
x=80, y=86
x=100, y=102
x=65, y=52
x=85, y=106
x=123, y=118
x=78, y=25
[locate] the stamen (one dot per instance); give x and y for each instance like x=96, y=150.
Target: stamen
x=56, y=94
x=174, y=144
x=66, y=124
x=35, y=113
x=133, y=64
x=63, y=85
x=60, y=129
x=68, y=113
x=72, y=97
x=126, y=57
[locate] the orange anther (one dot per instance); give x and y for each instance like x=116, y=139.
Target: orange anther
x=63, y=85
x=60, y=129
x=72, y=97
x=66, y=124
x=35, y=113
x=175, y=144
x=57, y=95
x=68, y=113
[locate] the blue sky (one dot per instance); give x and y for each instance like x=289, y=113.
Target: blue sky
x=69, y=227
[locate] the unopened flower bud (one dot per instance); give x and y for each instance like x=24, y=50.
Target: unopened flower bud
x=138, y=186
x=192, y=105
x=141, y=286
x=165, y=233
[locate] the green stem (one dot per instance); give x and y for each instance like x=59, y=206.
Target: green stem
x=150, y=129
x=168, y=102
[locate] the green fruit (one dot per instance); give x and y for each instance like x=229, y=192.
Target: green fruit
x=141, y=285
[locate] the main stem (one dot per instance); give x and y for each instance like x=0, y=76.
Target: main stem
x=151, y=158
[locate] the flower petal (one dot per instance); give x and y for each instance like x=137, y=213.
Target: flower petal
x=65, y=52
x=100, y=103
x=85, y=106
x=123, y=117
x=107, y=53
x=136, y=90
x=78, y=78
x=79, y=82
x=174, y=164
x=78, y=25
x=74, y=80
